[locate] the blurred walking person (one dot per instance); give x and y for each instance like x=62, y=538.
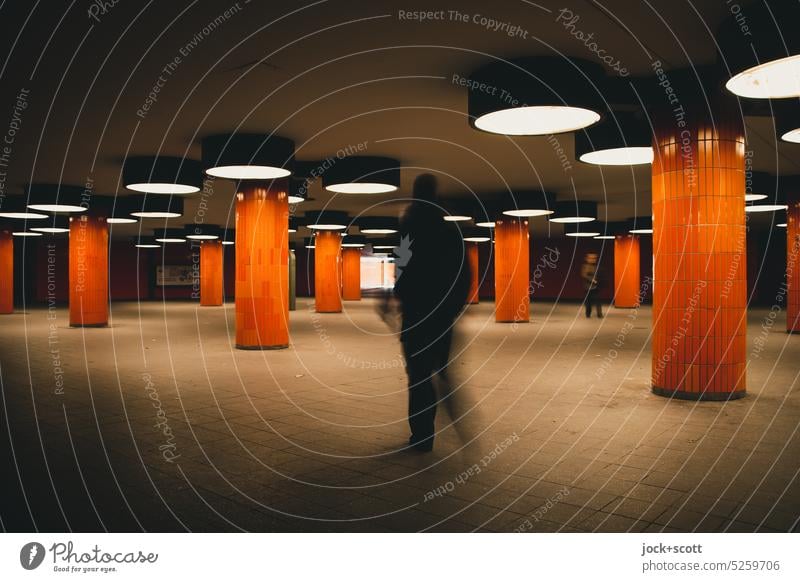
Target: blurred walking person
x=590, y=274
x=432, y=288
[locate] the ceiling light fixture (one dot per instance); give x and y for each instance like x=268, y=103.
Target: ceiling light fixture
x=640, y=225
x=15, y=207
x=622, y=139
x=326, y=220
x=58, y=198
x=575, y=211
x=162, y=175
x=535, y=96
x=362, y=175
x=145, y=206
x=202, y=231
x=765, y=207
x=767, y=65
x=248, y=156
x=169, y=235
x=377, y=224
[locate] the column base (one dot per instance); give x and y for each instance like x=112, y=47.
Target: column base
x=626, y=306
x=793, y=331
x=706, y=396
x=261, y=348
x=338, y=311
x=512, y=320
x=89, y=324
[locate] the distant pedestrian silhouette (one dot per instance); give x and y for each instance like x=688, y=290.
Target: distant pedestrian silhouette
x=590, y=273
x=432, y=288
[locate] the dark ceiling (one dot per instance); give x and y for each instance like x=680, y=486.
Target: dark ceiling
x=330, y=74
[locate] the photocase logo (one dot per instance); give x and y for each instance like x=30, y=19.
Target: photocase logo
x=403, y=253
x=31, y=555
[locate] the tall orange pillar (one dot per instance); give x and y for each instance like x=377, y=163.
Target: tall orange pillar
x=472, y=260
x=627, y=275
x=700, y=286
x=327, y=271
x=511, y=270
x=793, y=263
x=6, y=272
x=262, y=265
x=211, y=273
x=351, y=274
x=88, y=270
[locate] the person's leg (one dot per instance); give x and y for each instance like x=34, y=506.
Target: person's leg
x=599, y=305
x=421, y=396
x=587, y=302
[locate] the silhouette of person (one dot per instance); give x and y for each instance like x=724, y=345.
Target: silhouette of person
x=432, y=288
x=590, y=274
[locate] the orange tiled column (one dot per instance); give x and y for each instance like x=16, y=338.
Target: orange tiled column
x=351, y=274
x=6, y=272
x=792, y=263
x=511, y=270
x=262, y=265
x=211, y=273
x=88, y=270
x=472, y=259
x=327, y=271
x=699, y=294
x=627, y=276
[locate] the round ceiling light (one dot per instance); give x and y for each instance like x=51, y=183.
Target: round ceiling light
x=326, y=220
x=26, y=233
x=605, y=237
x=485, y=224
x=457, y=217
x=536, y=120
x=361, y=188
x=626, y=156
x=354, y=241
x=781, y=225
x=765, y=207
x=578, y=231
x=575, y=211
x=15, y=207
x=145, y=206
x=58, y=198
x=776, y=79
x=754, y=197
x=535, y=96
x=623, y=138
x=169, y=235
x=640, y=225
x=362, y=175
x=248, y=156
x=531, y=212
x=767, y=64
x=162, y=175
x=377, y=224
x=792, y=136
x=202, y=231
x=55, y=225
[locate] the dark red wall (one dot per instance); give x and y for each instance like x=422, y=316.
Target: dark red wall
x=556, y=264
x=132, y=271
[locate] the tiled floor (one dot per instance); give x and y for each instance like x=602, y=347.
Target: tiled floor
x=162, y=425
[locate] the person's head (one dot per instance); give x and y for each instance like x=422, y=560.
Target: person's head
x=425, y=188
x=590, y=258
